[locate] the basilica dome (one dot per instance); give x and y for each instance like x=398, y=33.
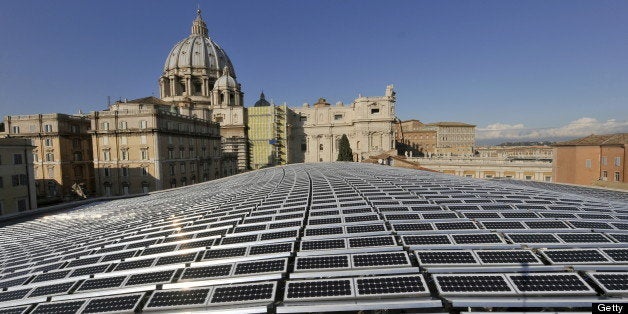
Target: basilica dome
x=198, y=53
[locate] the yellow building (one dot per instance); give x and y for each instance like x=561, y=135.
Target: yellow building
x=62, y=155
x=268, y=133
x=17, y=185
x=145, y=145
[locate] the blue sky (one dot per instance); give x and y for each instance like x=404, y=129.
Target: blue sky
x=516, y=69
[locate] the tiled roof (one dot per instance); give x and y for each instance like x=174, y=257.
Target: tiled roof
x=597, y=140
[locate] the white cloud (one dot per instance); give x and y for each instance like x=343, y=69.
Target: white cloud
x=577, y=128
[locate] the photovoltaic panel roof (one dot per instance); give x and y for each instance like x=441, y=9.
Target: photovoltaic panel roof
x=324, y=237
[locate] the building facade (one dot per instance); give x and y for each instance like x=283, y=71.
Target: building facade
x=17, y=183
x=268, y=134
x=146, y=145
x=595, y=159
x=535, y=152
x=436, y=139
x=487, y=168
x=199, y=79
x=367, y=122
x=62, y=156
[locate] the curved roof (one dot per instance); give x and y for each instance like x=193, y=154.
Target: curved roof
x=198, y=51
x=262, y=102
x=323, y=237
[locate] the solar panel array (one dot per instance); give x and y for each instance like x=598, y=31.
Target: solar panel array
x=321, y=237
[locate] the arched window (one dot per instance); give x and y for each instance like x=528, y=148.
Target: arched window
x=320, y=146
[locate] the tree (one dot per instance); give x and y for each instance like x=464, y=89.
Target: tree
x=344, y=150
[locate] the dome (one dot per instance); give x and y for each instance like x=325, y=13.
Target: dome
x=198, y=51
x=226, y=81
x=262, y=102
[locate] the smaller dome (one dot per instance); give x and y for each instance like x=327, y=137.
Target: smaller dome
x=262, y=102
x=226, y=81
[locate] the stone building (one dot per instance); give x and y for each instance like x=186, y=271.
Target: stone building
x=62, y=155
x=17, y=184
x=594, y=159
x=536, y=152
x=416, y=138
x=436, y=139
x=367, y=122
x=145, y=145
x=268, y=134
x=199, y=78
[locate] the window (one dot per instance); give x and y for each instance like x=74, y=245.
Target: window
x=218, y=119
x=16, y=129
x=51, y=172
x=193, y=167
x=303, y=118
x=181, y=152
x=106, y=155
x=468, y=175
x=374, y=110
x=337, y=117
x=17, y=159
x=617, y=161
x=124, y=154
x=50, y=157
x=105, y=126
x=1, y=182
x=489, y=176
x=320, y=147
x=143, y=124
x=617, y=178
x=76, y=143
x=604, y=175
x=106, y=172
x=48, y=142
x=548, y=179
x=144, y=153
x=123, y=125
x=528, y=177
x=145, y=170
x=587, y=163
x=170, y=153
x=74, y=128
x=170, y=139
x=182, y=166
x=78, y=156
x=15, y=180
x=171, y=169
x=21, y=205
x=125, y=171
x=604, y=160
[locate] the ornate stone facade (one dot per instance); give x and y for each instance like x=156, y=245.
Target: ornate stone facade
x=17, y=185
x=200, y=80
x=367, y=122
x=268, y=134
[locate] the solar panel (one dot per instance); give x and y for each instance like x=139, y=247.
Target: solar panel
x=224, y=253
x=388, y=259
x=507, y=257
x=611, y=282
x=550, y=284
x=323, y=244
x=503, y=225
x=259, y=267
x=532, y=238
x=365, y=228
x=412, y=226
x=425, y=239
x=102, y=283
x=270, y=249
x=583, y=238
x=471, y=285
x=59, y=307
x=574, y=256
x=618, y=255
x=322, y=262
x=176, y=259
x=325, y=289
x=114, y=304
x=248, y=293
x=150, y=278
x=193, y=273
x=372, y=241
x=480, y=238
x=89, y=270
x=446, y=258
x=546, y=224
x=61, y=288
x=464, y=225
x=135, y=264
x=323, y=231
x=177, y=298
x=13, y=295
x=15, y=310
x=408, y=285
